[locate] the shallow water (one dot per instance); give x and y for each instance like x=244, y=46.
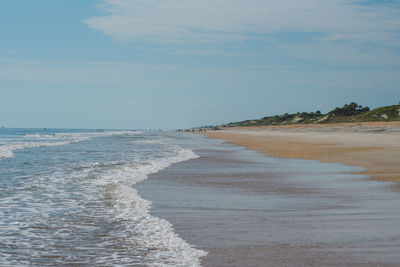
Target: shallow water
x=68, y=197
x=248, y=209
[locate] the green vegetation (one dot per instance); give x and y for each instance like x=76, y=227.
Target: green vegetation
x=349, y=110
x=348, y=113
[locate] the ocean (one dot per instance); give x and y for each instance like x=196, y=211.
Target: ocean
x=68, y=197
x=151, y=198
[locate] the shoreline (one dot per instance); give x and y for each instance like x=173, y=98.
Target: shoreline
x=374, y=146
x=248, y=209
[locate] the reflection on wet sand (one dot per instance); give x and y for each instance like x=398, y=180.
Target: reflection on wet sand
x=246, y=209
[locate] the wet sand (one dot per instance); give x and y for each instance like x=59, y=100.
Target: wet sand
x=248, y=209
x=374, y=146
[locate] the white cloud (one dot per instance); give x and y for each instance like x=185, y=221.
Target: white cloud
x=222, y=20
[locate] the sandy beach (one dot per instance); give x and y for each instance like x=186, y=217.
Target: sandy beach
x=375, y=146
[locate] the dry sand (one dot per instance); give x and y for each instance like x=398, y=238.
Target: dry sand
x=374, y=146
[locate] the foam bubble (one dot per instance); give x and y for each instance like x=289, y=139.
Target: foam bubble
x=93, y=201
x=154, y=234
x=6, y=151
x=56, y=139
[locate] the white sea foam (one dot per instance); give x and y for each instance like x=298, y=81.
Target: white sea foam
x=156, y=235
x=56, y=139
x=153, y=141
x=39, y=136
x=93, y=201
x=72, y=135
x=7, y=150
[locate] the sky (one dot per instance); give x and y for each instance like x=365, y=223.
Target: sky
x=165, y=64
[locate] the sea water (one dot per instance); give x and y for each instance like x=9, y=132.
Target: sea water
x=68, y=197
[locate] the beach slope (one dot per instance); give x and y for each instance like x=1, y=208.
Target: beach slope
x=375, y=146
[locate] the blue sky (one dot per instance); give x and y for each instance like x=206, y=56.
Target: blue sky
x=176, y=64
